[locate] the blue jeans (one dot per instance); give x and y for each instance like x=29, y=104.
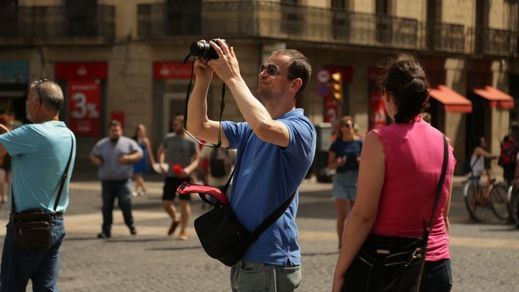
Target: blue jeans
x=40, y=266
x=249, y=276
x=120, y=189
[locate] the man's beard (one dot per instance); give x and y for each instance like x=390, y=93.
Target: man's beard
x=114, y=140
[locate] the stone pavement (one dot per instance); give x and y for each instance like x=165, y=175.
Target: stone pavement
x=484, y=256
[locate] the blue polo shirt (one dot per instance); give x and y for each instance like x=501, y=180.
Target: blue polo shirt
x=39, y=154
x=266, y=177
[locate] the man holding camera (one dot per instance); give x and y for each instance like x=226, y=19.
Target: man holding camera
x=278, y=155
x=40, y=152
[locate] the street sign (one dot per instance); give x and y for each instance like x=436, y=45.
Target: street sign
x=323, y=76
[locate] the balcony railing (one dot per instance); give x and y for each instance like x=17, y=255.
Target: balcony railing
x=445, y=37
x=274, y=20
x=47, y=23
x=493, y=42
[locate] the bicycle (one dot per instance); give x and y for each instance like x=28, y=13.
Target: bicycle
x=483, y=200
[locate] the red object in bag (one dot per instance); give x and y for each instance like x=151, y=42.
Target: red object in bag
x=202, y=190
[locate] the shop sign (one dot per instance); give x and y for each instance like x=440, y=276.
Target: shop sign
x=81, y=70
x=172, y=70
x=84, y=102
x=14, y=72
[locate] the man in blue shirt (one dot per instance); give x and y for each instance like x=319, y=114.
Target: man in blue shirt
x=115, y=155
x=40, y=152
x=278, y=155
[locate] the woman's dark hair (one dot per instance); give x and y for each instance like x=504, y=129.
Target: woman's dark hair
x=406, y=82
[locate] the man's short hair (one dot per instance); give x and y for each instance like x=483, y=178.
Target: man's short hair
x=50, y=93
x=114, y=123
x=299, y=68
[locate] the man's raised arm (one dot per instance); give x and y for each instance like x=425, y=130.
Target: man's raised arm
x=197, y=121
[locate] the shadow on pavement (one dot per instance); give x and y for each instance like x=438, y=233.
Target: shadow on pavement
x=136, y=240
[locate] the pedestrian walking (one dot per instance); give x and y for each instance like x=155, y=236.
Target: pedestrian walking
x=343, y=157
x=276, y=146
x=400, y=175
x=219, y=165
x=43, y=155
x=508, y=152
x=141, y=166
x=181, y=154
x=114, y=156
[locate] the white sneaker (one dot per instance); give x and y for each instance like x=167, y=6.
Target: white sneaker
x=134, y=194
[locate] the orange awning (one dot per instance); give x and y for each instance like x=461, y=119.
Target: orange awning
x=453, y=101
x=496, y=97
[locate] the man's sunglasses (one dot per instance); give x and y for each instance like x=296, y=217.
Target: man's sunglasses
x=273, y=70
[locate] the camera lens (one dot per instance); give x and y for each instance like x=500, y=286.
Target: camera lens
x=203, y=50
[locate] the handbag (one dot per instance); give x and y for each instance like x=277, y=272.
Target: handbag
x=33, y=228
x=221, y=234
x=392, y=263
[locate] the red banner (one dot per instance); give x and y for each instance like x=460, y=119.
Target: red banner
x=377, y=110
x=84, y=103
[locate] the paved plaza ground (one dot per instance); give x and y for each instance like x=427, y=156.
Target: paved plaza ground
x=485, y=257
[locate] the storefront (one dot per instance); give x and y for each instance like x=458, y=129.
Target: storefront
x=170, y=81
x=14, y=82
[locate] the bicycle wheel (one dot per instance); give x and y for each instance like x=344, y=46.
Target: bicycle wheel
x=472, y=193
x=498, y=201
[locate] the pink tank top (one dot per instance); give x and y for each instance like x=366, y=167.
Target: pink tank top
x=413, y=158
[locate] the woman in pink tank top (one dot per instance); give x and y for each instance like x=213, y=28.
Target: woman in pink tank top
x=400, y=167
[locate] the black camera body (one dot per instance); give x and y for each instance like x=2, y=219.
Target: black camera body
x=203, y=50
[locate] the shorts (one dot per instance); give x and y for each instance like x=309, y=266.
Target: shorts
x=169, y=191
x=345, y=185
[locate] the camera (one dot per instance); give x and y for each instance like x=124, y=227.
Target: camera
x=203, y=50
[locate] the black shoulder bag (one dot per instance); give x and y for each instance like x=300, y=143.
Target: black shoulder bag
x=33, y=228
x=391, y=263
x=221, y=234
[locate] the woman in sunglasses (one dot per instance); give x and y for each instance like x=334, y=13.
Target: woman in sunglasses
x=343, y=157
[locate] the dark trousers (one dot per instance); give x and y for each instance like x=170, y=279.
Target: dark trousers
x=436, y=277
x=121, y=190
x=41, y=267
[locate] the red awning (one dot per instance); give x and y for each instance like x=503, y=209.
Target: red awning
x=453, y=101
x=496, y=97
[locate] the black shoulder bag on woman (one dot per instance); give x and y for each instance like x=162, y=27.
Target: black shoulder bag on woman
x=221, y=234
x=33, y=228
x=390, y=263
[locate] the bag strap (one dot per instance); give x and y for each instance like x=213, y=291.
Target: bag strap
x=62, y=180
x=274, y=216
x=441, y=181
x=65, y=175
x=237, y=164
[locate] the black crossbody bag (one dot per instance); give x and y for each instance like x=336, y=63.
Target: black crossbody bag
x=391, y=263
x=33, y=228
x=221, y=234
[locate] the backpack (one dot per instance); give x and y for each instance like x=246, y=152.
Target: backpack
x=508, y=153
x=219, y=163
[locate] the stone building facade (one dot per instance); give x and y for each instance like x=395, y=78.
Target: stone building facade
x=123, y=59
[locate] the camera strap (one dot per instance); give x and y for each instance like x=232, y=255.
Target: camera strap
x=222, y=107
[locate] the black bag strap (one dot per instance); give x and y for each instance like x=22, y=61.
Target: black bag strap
x=440, y=182
x=62, y=180
x=228, y=183
x=273, y=217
